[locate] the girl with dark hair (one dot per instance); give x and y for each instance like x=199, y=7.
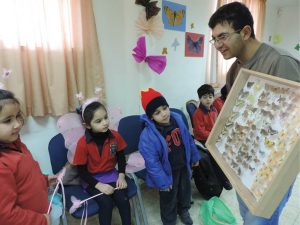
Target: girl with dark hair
x=97, y=153
x=24, y=189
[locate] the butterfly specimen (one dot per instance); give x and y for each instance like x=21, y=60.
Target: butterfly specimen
x=249, y=84
x=175, y=44
x=268, y=142
x=257, y=86
x=251, y=98
x=264, y=95
x=272, y=131
x=175, y=18
x=194, y=46
x=150, y=7
x=244, y=94
x=239, y=103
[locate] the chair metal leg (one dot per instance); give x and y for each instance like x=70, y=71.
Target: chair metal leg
x=136, y=213
x=141, y=203
x=64, y=220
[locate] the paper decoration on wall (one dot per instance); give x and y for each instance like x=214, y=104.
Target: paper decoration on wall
x=192, y=25
x=156, y=63
x=5, y=74
x=297, y=47
x=174, y=16
x=79, y=96
x=194, y=44
x=153, y=26
x=277, y=38
x=150, y=7
x=164, y=51
x=175, y=44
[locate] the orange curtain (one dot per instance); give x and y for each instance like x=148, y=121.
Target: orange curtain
x=49, y=53
x=219, y=66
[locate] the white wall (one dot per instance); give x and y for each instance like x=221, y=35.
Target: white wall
x=115, y=21
x=36, y=134
x=283, y=20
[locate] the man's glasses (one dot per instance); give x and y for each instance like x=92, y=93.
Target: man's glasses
x=223, y=37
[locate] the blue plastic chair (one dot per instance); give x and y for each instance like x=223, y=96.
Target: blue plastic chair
x=58, y=159
x=178, y=111
x=130, y=128
x=191, y=107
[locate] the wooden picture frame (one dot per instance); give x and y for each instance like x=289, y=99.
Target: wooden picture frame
x=255, y=139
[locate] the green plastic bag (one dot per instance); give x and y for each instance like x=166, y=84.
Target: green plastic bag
x=215, y=212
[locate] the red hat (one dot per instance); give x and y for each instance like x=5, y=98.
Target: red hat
x=151, y=100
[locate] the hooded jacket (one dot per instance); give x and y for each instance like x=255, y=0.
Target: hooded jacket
x=154, y=150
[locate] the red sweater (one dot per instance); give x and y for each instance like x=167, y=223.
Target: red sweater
x=218, y=104
x=203, y=121
x=24, y=194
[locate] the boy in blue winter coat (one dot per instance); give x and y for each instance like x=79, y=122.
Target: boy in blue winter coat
x=169, y=152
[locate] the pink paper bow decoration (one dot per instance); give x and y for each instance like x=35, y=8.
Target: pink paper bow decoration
x=156, y=63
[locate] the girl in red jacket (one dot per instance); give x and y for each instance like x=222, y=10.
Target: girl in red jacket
x=24, y=194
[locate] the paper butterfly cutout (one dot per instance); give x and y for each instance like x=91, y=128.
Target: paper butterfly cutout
x=153, y=26
x=156, y=63
x=194, y=46
x=79, y=96
x=175, y=44
x=175, y=18
x=297, y=47
x=6, y=72
x=150, y=7
x=164, y=51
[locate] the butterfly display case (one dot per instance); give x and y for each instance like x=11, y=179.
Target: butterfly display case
x=255, y=139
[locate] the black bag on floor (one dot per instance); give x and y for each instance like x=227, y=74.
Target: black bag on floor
x=205, y=178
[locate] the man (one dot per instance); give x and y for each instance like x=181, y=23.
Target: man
x=233, y=36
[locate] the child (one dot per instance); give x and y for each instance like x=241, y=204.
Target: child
x=168, y=150
x=204, y=119
x=96, y=156
x=219, y=102
x=24, y=193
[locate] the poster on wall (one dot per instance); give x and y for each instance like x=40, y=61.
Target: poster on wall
x=194, y=44
x=174, y=16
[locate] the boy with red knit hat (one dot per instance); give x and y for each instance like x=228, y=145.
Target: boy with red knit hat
x=169, y=151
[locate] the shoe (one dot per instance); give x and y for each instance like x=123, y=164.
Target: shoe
x=186, y=218
x=227, y=185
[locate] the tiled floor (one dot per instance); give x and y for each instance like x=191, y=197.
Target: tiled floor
x=290, y=214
